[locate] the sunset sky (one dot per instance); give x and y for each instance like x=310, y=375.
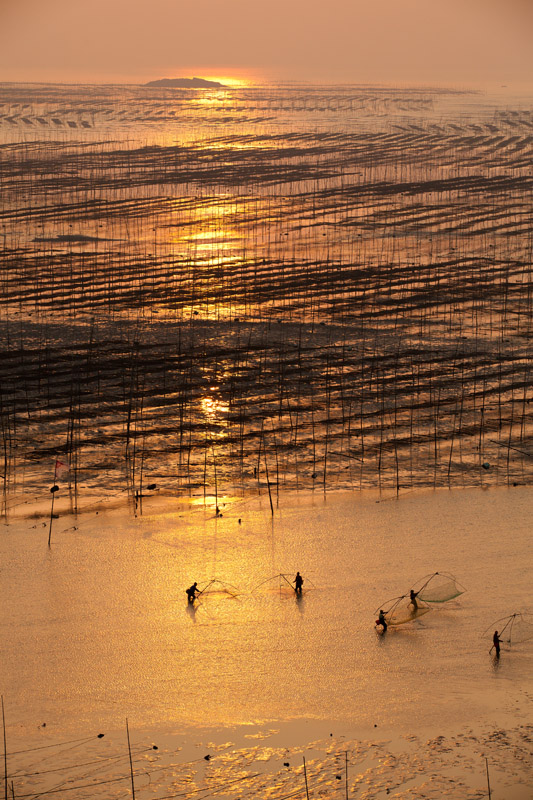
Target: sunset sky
x=462, y=42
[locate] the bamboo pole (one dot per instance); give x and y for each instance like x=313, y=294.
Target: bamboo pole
x=266, y=472
x=53, y=491
x=5, y=749
x=346, y=773
x=306, y=784
x=131, y=762
x=488, y=778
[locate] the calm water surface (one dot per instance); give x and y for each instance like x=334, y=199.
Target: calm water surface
x=97, y=628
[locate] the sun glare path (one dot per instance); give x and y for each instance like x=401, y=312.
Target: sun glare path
x=213, y=407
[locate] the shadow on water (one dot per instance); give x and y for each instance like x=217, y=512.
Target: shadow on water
x=192, y=609
x=495, y=662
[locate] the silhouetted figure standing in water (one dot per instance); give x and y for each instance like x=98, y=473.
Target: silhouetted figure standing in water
x=413, y=595
x=496, y=641
x=298, y=583
x=191, y=592
x=382, y=621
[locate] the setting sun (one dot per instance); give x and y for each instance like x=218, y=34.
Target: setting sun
x=232, y=82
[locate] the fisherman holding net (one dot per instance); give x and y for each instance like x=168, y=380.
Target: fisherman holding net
x=496, y=641
x=191, y=592
x=381, y=620
x=298, y=583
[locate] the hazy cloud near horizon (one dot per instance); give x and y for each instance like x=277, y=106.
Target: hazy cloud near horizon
x=393, y=41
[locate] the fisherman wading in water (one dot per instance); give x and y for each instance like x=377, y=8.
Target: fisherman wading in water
x=382, y=621
x=298, y=583
x=191, y=592
x=412, y=597
x=496, y=641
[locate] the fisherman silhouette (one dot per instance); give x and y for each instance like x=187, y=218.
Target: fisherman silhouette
x=298, y=583
x=413, y=595
x=382, y=621
x=191, y=592
x=496, y=641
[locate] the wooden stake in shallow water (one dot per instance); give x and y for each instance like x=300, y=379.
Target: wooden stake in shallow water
x=131, y=763
x=346, y=764
x=305, y=776
x=215, y=475
x=53, y=490
x=488, y=779
x=61, y=469
x=5, y=749
x=266, y=470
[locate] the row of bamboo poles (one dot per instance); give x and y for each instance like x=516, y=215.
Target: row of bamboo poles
x=296, y=309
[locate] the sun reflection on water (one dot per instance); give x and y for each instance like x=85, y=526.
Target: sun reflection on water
x=213, y=407
x=211, y=230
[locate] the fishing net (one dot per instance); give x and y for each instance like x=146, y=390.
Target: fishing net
x=218, y=587
x=438, y=588
x=514, y=629
x=402, y=611
x=282, y=583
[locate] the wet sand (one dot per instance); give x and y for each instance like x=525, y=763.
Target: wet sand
x=268, y=761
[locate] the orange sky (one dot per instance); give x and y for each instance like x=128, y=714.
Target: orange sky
x=466, y=42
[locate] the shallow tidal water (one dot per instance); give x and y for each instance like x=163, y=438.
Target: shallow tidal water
x=97, y=627
x=294, y=285
x=96, y=630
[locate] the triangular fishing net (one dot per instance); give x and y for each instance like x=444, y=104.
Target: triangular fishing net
x=438, y=588
x=401, y=610
x=218, y=587
x=514, y=629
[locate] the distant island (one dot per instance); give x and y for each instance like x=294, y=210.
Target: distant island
x=187, y=83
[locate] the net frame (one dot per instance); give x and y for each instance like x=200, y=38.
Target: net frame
x=216, y=586
x=400, y=610
x=517, y=628
x=285, y=582
x=421, y=585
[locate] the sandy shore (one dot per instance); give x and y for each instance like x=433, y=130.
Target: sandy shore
x=268, y=761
